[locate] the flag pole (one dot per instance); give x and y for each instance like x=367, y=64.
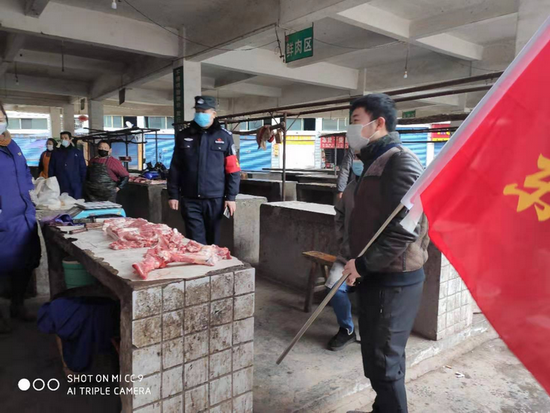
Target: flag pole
x=335, y=288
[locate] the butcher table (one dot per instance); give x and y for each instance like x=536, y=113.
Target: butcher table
x=188, y=330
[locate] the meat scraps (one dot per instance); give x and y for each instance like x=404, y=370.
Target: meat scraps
x=166, y=245
x=138, y=233
x=190, y=253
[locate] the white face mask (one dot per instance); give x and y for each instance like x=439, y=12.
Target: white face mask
x=3, y=127
x=65, y=143
x=355, y=139
x=49, y=147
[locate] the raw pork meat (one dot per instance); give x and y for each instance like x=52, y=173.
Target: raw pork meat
x=139, y=233
x=190, y=253
x=166, y=245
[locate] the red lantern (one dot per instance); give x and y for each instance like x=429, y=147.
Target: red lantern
x=83, y=118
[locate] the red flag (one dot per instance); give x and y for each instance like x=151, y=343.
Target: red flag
x=487, y=198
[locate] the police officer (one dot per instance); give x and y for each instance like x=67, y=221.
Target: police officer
x=204, y=173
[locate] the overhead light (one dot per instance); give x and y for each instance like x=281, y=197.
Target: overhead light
x=114, y=5
x=406, y=74
x=16, y=76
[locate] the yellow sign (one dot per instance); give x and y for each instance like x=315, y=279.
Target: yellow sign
x=300, y=140
x=536, y=181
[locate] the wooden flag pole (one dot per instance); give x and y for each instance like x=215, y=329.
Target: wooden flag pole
x=335, y=288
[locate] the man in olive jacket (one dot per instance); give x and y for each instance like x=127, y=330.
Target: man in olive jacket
x=391, y=271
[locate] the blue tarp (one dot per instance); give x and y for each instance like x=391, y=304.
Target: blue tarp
x=31, y=146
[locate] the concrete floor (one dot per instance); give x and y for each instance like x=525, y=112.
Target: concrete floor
x=311, y=379
x=314, y=379
x=494, y=381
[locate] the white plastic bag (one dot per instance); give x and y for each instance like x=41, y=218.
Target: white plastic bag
x=67, y=201
x=47, y=193
x=335, y=274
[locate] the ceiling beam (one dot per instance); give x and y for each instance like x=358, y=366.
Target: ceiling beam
x=149, y=96
x=264, y=62
x=147, y=70
x=296, y=13
x=446, y=22
x=14, y=43
x=34, y=8
x=87, y=26
x=254, y=90
x=233, y=78
x=338, y=53
x=47, y=59
x=208, y=82
x=111, y=107
x=376, y=20
x=249, y=40
x=388, y=24
x=453, y=100
x=29, y=99
x=46, y=85
x=452, y=46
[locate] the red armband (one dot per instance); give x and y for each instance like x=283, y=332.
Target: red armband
x=232, y=164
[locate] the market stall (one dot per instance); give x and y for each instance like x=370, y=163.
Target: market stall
x=175, y=326
x=143, y=199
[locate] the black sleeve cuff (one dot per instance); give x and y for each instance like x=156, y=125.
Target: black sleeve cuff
x=361, y=266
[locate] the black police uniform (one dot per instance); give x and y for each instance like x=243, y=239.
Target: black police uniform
x=198, y=178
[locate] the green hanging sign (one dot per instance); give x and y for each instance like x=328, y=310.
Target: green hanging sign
x=409, y=114
x=179, y=115
x=299, y=45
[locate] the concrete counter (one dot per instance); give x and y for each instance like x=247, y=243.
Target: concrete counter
x=278, y=176
x=286, y=230
x=318, y=178
x=142, y=201
x=270, y=189
x=191, y=337
x=241, y=234
x=320, y=193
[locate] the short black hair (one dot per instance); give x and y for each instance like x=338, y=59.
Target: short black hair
x=104, y=141
x=51, y=140
x=66, y=132
x=378, y=105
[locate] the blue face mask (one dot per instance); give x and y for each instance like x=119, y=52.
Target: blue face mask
x=203, y=119
x=357, y=167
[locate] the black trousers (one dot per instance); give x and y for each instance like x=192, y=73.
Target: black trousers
x=14, y=286
x=202, y=219
x=386, y=318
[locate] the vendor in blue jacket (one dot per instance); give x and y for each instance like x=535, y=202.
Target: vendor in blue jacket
x=19, y=242
x=204, y=174
x=67, y=164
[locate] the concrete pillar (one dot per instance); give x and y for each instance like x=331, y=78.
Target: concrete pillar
x=68, y=118
x=362, y=83
x=95, y=114
x=191, y=87
x=55, y=122
x=191, y=72
x=531, y=15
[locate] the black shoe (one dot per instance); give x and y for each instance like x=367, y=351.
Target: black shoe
x=341, y=340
